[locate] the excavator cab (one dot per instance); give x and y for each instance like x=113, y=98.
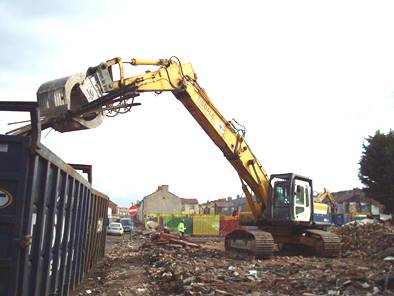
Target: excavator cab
x=291, y=198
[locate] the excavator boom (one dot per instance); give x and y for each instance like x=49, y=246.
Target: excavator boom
x=181, y=80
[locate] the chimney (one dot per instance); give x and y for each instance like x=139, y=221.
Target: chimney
x=229, y=198
x=164, y=188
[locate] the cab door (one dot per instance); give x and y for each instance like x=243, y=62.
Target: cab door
x=281, y=209
x=302, y=201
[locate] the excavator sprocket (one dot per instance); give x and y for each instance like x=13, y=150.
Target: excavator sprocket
x=257, y=243
x=328, y=244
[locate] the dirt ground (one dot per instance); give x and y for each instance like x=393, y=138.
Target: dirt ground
x=138, y=267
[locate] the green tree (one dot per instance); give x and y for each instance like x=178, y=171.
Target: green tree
x=377, y=168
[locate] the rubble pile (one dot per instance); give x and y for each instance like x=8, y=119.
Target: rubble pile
x=373, y=240
x=174, y=270
x=164, y=238
x=135, y=268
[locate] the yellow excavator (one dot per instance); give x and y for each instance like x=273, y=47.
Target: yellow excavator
x=279, y=208
x=327, y=195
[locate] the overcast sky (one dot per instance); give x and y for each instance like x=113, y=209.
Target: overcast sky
x=309, y=80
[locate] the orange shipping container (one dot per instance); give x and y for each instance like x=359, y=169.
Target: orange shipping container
x=228, y=224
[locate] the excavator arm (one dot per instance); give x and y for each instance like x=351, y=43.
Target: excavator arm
x=327, y=194
x=181, y=80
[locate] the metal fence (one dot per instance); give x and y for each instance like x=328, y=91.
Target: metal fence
x=52, y=222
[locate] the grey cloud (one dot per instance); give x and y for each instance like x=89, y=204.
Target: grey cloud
x=24, y=42
x=21, y=50
x=54, y=8
x=13, y=43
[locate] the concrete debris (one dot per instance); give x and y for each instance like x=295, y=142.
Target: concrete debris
x=365, y=285
x=175, y=239
x=385, y=217
x=152, y=225
x=367, y=240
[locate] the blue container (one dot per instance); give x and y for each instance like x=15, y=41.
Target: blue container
x=338, y=219
x=52, y=222
x=346, y=218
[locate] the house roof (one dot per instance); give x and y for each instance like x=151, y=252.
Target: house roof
x=189, y=201
x=220, y=204
x=163, y=190
x=217, y=202
x=226, y=203
x=355, y=195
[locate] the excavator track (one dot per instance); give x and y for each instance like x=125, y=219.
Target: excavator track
x=253, y=242
x=327, y=244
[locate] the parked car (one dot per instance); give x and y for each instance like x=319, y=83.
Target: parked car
x=127, y=224
x=115, y=228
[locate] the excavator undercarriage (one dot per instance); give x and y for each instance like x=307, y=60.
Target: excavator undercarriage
x=260, y=243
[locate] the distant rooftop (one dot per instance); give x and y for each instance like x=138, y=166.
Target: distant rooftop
x=354, y=195
x=189, y=201
x=228, y=202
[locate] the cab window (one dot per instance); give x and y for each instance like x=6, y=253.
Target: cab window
x=281, y=196
x=300, y=195
x=307, y=196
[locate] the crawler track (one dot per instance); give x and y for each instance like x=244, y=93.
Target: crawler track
x=254, y=242
x=327, y=244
